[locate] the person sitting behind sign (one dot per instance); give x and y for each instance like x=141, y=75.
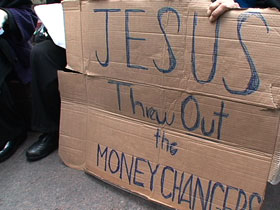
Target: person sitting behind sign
x=46, y=59
x=17, y=24
x=219, y=7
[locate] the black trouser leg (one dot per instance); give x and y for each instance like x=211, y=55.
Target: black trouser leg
x=12, y=122
x=46, y=59
x=22, y=98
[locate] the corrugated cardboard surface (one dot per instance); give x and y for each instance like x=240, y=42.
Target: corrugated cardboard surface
x=169, y=106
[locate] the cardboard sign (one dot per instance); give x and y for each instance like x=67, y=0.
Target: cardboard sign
x=170, y=106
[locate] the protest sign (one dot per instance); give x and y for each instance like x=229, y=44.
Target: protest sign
x=170, y=106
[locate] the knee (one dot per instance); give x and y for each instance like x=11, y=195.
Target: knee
x=37, y=50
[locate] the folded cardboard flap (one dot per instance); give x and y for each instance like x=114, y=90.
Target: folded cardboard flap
x=74, y=39
x=73, y=124
x=170, y=106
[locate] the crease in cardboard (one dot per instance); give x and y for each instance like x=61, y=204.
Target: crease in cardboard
x=195, y=138
x=81, y=44
x=264, y=107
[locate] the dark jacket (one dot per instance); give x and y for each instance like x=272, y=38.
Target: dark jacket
x=268, y=3
x=18, y=31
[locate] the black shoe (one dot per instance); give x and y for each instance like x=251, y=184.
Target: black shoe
x=46, y=144
x=11, y=147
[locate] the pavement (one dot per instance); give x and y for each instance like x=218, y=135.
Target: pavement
x=50, y=185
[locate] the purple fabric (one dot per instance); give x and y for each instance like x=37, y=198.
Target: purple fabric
x=25, y=21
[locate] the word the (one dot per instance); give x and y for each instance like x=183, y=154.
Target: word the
x=165, y=143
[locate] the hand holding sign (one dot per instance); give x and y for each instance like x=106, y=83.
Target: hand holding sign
x=219, y=7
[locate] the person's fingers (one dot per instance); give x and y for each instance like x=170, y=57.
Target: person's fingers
x=212, y=7
x=221, y=9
